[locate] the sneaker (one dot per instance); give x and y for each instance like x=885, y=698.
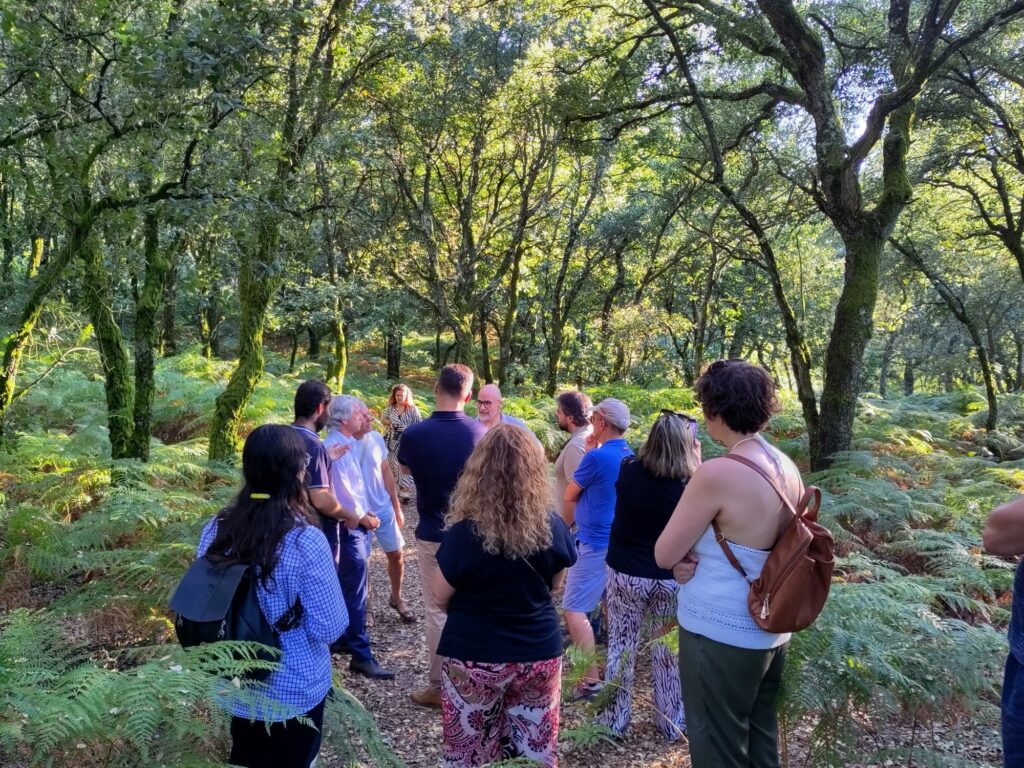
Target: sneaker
x=427, y=697
x=370, y=669
x=584, y=691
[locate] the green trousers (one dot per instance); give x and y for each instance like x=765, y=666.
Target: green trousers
x=729, y=697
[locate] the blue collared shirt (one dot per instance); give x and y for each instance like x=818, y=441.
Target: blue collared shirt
x=596, y=475
x=305, y=570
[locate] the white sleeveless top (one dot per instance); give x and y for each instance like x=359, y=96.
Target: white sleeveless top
x=714, y=602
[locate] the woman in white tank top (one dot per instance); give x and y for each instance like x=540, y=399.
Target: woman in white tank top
x=730, y=668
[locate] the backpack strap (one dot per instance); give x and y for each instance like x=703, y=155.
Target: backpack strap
x=720, y=537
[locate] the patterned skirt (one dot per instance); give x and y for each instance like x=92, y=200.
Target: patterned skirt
x=495, y=712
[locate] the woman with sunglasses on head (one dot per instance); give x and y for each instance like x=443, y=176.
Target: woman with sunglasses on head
x=271, y=525
x=730, y=668
x=638, y=591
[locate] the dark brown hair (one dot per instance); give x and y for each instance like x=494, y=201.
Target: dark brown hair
x=739, y=393
x=309, y=396
x=576, y=406
x=455, y=380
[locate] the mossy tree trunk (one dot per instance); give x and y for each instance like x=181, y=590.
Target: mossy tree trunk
x=255, y=290
x=158, y=266
x=16, y=341
x=117, y=379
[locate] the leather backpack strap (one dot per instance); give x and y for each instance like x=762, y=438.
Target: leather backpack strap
x=720, y=538
x=771, y=480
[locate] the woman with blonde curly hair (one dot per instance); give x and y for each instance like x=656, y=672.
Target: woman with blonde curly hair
x=503, y=553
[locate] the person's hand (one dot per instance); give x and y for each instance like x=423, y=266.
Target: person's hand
x=336, y=450
x=399, y=517
x=370, y=522
x=683, y=571
x=590, y=443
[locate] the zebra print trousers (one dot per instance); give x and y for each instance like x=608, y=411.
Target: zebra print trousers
x=630, y=600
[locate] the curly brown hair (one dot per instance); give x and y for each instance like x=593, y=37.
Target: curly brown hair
x=740, y=393
x=504, y=491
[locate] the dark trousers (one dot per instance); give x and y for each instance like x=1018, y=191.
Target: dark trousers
x=290, y=744
x=353, y=574
x=729, y=698
x=1013, y=714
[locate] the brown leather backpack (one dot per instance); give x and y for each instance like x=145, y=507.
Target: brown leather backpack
x=793, y=585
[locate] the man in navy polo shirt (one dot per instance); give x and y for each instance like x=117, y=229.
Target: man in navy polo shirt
x=590, y=503
x=434, y=451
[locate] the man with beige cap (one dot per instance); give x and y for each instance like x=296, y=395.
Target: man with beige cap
x=590, y=503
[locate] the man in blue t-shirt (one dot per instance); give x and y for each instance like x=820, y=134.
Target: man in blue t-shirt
x=590, y=503
x=434, y=451
x=1004, y=535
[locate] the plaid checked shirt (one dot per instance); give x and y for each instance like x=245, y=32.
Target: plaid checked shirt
x=305, y=569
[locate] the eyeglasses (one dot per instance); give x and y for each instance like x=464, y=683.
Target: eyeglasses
x=685, y=417
x=485, y=403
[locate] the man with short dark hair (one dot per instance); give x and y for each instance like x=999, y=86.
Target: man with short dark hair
x=434, y=451
x=572, y=413
x=312, y=399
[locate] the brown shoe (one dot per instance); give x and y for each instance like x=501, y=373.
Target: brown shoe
x=427, y=697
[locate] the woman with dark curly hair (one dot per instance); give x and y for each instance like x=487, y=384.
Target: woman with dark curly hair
x=729, y=667
x=502, y=650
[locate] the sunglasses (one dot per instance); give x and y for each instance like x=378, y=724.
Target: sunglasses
x=685, y=417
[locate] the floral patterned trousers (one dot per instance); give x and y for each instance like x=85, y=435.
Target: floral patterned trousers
x=495, y=712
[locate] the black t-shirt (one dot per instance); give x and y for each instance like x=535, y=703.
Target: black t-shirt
x=643, y=506
x=435, y=450
x=501, y=611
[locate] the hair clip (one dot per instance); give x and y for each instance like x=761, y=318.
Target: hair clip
x=259, y=495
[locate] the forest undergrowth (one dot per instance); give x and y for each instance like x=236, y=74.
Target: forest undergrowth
x=913, y=633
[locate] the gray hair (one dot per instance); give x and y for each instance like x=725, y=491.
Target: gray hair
x=342, y=408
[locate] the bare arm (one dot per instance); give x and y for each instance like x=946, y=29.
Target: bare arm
x=1004, y=529
x=558, y=580
x=326, y=504
x=693, y=514
x=572, y=495
x=443, y=591
x=392, y=489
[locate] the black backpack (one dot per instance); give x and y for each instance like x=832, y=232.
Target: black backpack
x=216, y=600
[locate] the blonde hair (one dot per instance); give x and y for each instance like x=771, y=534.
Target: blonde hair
x=504, y=491
x=669, y=450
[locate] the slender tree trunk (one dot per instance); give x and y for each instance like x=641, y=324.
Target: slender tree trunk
x=888, y=351
x=255, y=289
x=959, y=311
x=295, y=350
x=555, y=343
x=16, y=341
x=393, y=352
x=205, y=334
x=909, y=380
x=158, y=267
x=117, y=380
x=35, y=257
x=168, y=329
x=485, y=352
x=314, y=341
